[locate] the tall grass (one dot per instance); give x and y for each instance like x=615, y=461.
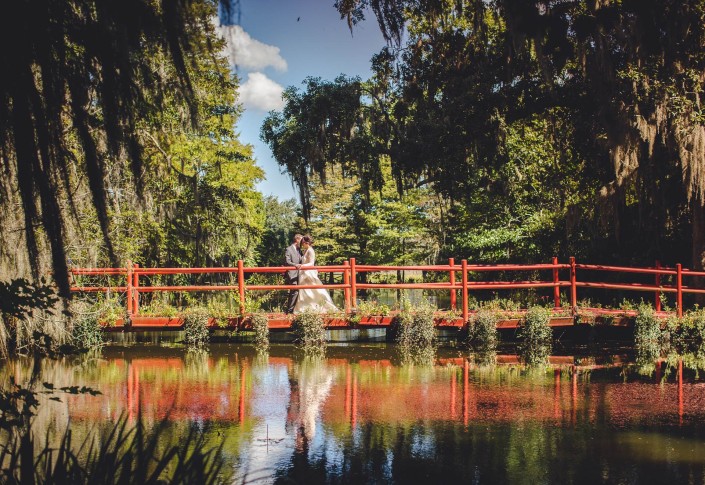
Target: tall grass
x=122, y=454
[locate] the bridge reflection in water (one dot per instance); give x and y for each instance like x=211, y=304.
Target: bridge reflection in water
x=336, y=417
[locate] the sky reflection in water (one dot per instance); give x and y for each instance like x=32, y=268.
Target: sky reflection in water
x=355, y=416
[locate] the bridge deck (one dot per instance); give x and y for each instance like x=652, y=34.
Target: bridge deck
x=281, y=322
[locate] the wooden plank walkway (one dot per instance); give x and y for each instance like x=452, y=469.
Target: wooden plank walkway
x=281, y=322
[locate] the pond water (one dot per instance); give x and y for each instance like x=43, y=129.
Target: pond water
x=357, y=416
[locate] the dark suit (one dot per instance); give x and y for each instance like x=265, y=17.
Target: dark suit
x=292, y=257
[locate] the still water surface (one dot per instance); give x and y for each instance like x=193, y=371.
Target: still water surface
x=355, y=416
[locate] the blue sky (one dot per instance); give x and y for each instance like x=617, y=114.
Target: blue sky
x=278, y=43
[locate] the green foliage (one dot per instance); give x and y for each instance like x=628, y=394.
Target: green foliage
x=507, y=306
x=89, y=317
x=279, y=227
x=222, y=311
x=200, y=205
x=18, y=405
x=372, y=308
x=260, y=324
x=647, y=333
x=687, y=333
x=415, y=333
x=627, y=305
x=196, y=333
x=107, y=69
x=536, y=336
x=483, y=334
x=295, y=137
x=310, y=332
x=87, y=333
x=350, y=196
x=484, y=357
x=257, y=301
x=105, y=309
x=19, y=298
x=159, y=308
x=138, y=454
x=535, y=326
x=563, y=156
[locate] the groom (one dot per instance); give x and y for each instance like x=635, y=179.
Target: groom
x=292, y=257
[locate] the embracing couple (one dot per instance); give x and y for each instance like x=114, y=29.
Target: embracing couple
x=301, y=255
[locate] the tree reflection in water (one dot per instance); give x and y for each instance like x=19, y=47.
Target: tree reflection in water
x=354, y=416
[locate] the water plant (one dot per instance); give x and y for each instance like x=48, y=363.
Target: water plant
x=196, y=333
x=415, y=333
x=260, y=324
x=119, y=455
x=372, y=308
x=484, y=358
x=367, y=309
x=159, y=308
x=309, y=329
x=482, y=332
x=221, y=311
x=647, y=334
x=536, y=336
x=691, y=329
x=87, y=332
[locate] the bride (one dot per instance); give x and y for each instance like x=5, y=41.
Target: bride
x=318, y=300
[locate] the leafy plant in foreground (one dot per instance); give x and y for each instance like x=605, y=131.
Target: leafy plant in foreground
x=415, y=333
x=482, y=334
x=196, y=333
x=310, y=331
x=536, y=335
x=87, y=332
x=121, y=454
x=260, y=324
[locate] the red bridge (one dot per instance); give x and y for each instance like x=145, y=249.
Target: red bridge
x=455, y=280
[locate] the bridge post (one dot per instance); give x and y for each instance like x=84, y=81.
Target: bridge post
x=464, y=269
x=353, y=284
x=679, y=289
x=466, y=391
x=453, y=297
x=657, y=300
x=557, y=288
x=136, y=291
x=680, y=390
x=241, y=285
x=346, y=289
x=130, y=280
x=573, y=287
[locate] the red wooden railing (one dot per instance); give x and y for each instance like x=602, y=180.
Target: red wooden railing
x=350, y=285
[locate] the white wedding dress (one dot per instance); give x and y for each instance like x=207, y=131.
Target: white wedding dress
x=318, y=300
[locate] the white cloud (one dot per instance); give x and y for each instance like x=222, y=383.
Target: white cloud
x=249, y=53
x=260, y=92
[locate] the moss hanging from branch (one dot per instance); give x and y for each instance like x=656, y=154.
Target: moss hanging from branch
x=77, y=77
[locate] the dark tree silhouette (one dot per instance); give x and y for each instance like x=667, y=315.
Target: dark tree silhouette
x=76, y=76
x=629, y=74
